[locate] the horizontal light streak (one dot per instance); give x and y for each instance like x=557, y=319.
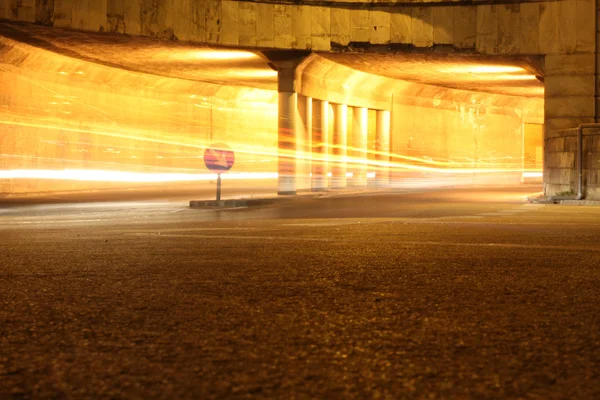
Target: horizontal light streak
x=252, y=73
x=220, y=55
x=158, y=177
x=514, y=77
x=381, y=159
x=483, y=69
x=530, y=174
x=124, y=176
x=193, y=54
x=200, y=145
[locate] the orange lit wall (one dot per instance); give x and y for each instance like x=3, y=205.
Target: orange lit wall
x=59, y=113
x=68, y=124
x=460, y=130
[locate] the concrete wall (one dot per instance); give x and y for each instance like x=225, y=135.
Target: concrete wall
x=561, y=163
x=566, y=26
x=465, y=135
x=59, y=113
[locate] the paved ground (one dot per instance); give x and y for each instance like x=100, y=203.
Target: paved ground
x=443, y=294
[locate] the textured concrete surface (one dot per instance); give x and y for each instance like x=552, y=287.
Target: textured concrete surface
x=453, y=294
x=561, y=174
x=487, y=28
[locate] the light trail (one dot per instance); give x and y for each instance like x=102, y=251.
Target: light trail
x=375, y=160
x=124, y=176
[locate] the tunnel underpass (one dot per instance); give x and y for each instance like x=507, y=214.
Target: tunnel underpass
x=84, y=111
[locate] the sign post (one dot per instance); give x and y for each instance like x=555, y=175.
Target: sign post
x=218, y=187
x=219, y=158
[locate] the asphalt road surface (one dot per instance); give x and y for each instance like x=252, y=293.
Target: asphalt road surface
x=454, y=293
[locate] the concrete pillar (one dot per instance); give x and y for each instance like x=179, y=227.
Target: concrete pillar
x=382, y=138
x=320, y=145
x=304, y=147
x=569, y=100
x=359, y=144
x=287, y=143
x=569, y=95
x=340, y=138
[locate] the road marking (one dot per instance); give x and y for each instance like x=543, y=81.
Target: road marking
x=505, y=245
x=55, y=221
x=337, y=223
x=158, y=235
x=511, y=211
x=161, y=230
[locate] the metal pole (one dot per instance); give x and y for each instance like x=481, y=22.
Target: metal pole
x=218, y=187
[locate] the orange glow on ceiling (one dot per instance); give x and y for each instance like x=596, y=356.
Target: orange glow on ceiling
x=253, y=73
x=204, y=54
x=482, y=69
x=506, y=77
x=224, y=54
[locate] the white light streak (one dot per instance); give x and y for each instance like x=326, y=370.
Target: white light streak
x=532, y=174
x=483, y=69
x=124, y=176
x=253, y=73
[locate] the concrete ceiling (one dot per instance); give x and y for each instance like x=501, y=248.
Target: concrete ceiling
x=225, y=66
x=498, y=75
x=171, y=59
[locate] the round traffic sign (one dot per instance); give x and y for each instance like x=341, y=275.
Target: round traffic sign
x=218, y=157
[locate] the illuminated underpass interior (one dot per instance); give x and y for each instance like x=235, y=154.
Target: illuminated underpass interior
x=83, y=111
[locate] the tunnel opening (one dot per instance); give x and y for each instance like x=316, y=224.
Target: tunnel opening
x=86, y=112
x=455, y=118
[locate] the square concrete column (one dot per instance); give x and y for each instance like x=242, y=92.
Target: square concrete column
x=382, y=139
x=287, y=133
x=570, y=90
x=286, y=161
x=320, y=145
x=359, y=146
x=340, y=138
x=304, y=147
x=286, y=63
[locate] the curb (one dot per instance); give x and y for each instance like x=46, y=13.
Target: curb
x=548, y=200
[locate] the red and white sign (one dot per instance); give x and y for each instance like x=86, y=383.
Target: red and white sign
x=218, y=157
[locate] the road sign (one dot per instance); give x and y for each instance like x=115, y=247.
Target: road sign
x=218, y=157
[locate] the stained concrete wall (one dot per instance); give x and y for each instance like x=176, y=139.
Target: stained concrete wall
x=59, y=113
x=565, y=26
x=561, y=163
